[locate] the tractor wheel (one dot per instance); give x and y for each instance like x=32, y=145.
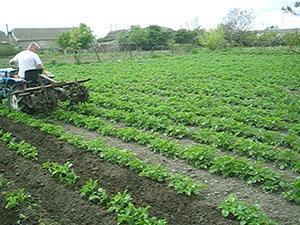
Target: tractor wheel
x=78, y=94
x=52, y=99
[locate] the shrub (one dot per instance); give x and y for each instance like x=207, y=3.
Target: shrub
x=214, y=39
x=7, y=50
x=292, y=39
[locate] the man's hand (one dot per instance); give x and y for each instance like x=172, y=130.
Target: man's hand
x=12, y=62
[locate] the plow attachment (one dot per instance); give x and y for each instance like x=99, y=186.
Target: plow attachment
x=44, y=98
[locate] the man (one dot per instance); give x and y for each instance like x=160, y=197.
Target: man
x=27, y=60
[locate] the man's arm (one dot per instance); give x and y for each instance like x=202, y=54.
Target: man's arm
x=38, y=62
x=13, y=62
x=40, y=66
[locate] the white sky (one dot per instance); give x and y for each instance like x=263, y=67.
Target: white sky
x=103, y=16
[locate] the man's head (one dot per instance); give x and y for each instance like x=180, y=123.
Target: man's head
x=34, y=47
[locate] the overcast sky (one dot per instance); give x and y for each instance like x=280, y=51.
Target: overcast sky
x=103, y=16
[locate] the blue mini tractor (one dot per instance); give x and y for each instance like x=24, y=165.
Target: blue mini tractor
x=37, y=92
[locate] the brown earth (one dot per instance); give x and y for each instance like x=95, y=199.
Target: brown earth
x=273, y=204
x=65, y=203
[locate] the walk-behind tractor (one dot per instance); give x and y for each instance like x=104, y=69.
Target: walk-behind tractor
x=37, y=92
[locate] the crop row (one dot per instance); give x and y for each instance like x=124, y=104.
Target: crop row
x=229, y=74
x=165, y=115
x=178, y=85
x=146, y=81
x=181, y=183
x=119, y=204
x=199, y=105
x=21, y=147
x=283, y=114
x=222, y=140
x=246, y=213
x=231, y=92
x=252, y=172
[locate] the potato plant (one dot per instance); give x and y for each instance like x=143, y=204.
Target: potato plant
x=120, y=204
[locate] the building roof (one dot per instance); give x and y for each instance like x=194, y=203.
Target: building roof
x=3, y=37
x=113, y=35
x=37, y=34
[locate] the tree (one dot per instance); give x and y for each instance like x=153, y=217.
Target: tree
x=63, y=40
x=183, y=36
x=123, y=40
x=214, y=39
x=292, y=39
x=235, y=23
x=289, y=9
x=76, y=39
x=151, y=38
x=157, y=38
x=138, y=36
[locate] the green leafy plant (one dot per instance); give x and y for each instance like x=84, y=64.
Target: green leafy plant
x=94, y=193
x=184, y=184
x=244, y=212
x=293, y=194
x=15, y=198
x=119, y=202
x=21, y=147
x=61, y=172
x=25, y=149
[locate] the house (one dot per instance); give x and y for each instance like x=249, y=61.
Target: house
x=45, y=37
x=110, y=43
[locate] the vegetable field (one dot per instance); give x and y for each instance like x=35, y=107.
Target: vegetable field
x=206, y=138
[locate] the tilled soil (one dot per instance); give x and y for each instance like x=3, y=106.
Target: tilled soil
x=7, y=216
x=274, y=205
x=65, y=203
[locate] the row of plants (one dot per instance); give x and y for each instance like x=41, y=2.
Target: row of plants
x=199, y=78
x=282, y=112
x=176, y=83
x=180, y=183
x=197, y=107
x=222, y=140
x=120, y=204
x=142, y=119
x=21, y=147
x=190, y=118
x=218, y=92
x=200, y=157
x=244, y=212
x=225, y=141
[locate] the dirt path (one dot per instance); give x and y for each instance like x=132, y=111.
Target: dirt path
x=274, y=205
x=164, y=202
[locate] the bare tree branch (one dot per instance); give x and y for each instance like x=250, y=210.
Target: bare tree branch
x=289, y=9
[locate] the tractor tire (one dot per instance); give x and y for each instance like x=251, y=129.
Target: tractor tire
x=78, y=94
